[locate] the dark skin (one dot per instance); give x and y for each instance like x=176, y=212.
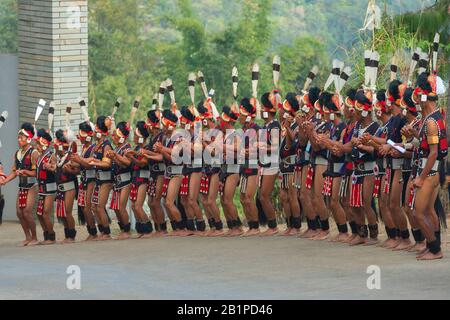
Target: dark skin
x=105, y=188
x=137, y=206
x=84, y=163
x=69, y=196
x=173, y=187
x=45, y=218
x=365, y=211
x=25, y=215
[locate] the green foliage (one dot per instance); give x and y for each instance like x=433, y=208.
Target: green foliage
x=8, y=26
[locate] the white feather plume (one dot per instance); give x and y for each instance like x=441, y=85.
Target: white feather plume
x=201, y=79
x=234, y=78
x=255, y=74
x=309, y=79
x=191, y=86
x=276, y=70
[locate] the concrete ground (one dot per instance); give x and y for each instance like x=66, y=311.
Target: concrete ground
x=214, y=268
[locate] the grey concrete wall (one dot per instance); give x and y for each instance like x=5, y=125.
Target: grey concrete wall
x=9, y=95
x=53, y=57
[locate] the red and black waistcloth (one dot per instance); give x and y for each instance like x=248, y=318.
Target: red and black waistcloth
x=140, y=175
x=65, y=182
x=363, y=164
x=25, y=162
x=86, y=176
x=316, y=157
x=121, y=176
x=336, y=164
x=272, y=130
x=172, y=169
x=228, y=169
x=101, y=175
x=288, y=158
x=157, y=168
x=46, y=180
x=383, y=171
x=348, y=171
x=250, y=165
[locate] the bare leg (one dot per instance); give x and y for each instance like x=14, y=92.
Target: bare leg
x=319, y=203
x=103, y=195
x=214, y=184
x=172, y=193
x=228, y=205
x=88, y=212
x=338, y=211
x=28, y=216
x=424, y=208
x=122, y=213
x=265, y=197
x=249, y=204
x=46, y=217
x=306, y=196
x=397, y=209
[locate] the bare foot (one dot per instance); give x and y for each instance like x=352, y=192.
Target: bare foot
x=370, y=242
x=123, y=236
x=91, y=238
x=382, y=244
x=236, y=232
x=357, y=241
x=217, y=233
x=67, y=241
x=391, y=243
x=47, y=242
x=431, y=256
x=322, y=235
x=286, y=232
x=33, y=242
x=403, y=245
x=24, y=243
x=350, y=238
x=422, y=253
x=294, y=232
x=105, y=237
x=269, y=232
x=228, y=233
x=341, y=237
x=148, y=235
x=309, y=233
x=251, y=233
x=419, y=246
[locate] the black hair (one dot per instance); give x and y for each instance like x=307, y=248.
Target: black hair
x=227, y=110
x=381, y=95
x=28, y=127
x=292, y=99
x=42, y=133
x=351, y=94
x=423, y=83
x=313, y=95
x=85, y=126
x=124, y=128
x=327, y=100
x=168, y=114
x=394, y=89
x=245, y=103
x=361, y=98
x=266, y=101
x=60, y=136
x=142, y=128
x=153, y=116
x=101, y=123
x=186, y=113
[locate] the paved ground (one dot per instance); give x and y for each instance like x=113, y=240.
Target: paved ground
x=214, y=268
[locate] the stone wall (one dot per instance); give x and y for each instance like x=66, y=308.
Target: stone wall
x=53, y=57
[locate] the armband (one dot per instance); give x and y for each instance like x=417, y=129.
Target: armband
x=432, y=140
